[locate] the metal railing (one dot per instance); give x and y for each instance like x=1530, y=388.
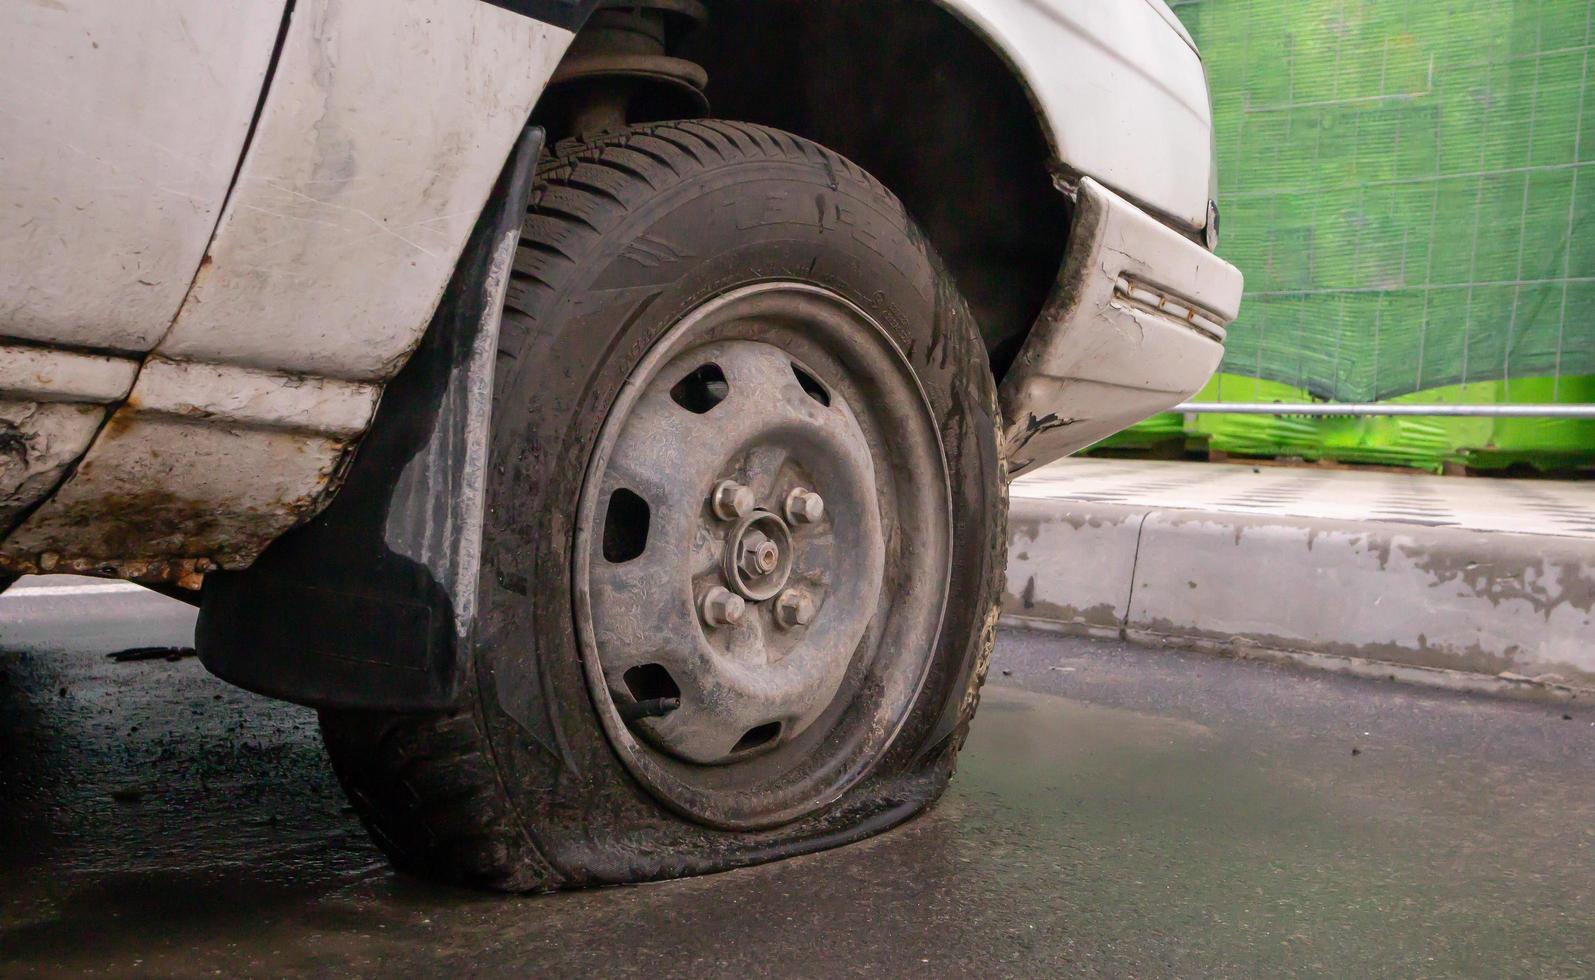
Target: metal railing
x=1518, y=411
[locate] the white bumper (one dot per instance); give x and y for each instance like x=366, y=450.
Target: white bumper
x=1135, y=325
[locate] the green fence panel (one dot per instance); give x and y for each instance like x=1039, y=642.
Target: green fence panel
x=1409, y=187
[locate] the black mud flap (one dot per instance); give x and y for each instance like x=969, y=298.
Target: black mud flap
x=372, y=604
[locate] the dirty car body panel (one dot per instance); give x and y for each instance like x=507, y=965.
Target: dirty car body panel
x=120, y=130
x=236, y=226
x=341, y=227
x=1135, y=325
x=1136, y=320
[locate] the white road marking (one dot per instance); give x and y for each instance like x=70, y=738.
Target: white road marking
x=49, y=590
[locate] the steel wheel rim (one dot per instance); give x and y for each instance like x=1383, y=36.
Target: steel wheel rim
x=813, y=396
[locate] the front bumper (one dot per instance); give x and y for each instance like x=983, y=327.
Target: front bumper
x=1135, y=325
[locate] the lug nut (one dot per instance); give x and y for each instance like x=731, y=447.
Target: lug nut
x=794, y=608
x=804, y=507
x=731, y=500
x=722, y=607
x=759, y=555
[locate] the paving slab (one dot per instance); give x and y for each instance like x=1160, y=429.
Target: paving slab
x=1470, y=582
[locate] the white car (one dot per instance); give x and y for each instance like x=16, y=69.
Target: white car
x=601, y=411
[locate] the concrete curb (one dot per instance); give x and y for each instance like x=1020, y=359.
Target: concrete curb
x=1479, y=610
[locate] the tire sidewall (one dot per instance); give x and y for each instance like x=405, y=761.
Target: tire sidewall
x=567, y=351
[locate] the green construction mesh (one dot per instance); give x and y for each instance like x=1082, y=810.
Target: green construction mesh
x=1408, y=187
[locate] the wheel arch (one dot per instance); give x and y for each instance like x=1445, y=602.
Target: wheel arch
x=961, y=140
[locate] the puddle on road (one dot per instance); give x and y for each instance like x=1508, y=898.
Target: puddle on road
x=1075, y=838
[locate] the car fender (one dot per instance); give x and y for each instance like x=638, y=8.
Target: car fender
x=1121, y=92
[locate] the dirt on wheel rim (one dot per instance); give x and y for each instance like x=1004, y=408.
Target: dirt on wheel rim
x=697, y=556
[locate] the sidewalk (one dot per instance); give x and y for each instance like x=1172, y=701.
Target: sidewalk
x=1474, y=583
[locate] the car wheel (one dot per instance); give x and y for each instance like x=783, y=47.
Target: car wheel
x=745, y=534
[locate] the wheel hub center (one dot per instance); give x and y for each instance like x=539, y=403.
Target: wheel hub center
x=758, y=555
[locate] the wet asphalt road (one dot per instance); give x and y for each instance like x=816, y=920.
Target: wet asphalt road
x=1118, y=812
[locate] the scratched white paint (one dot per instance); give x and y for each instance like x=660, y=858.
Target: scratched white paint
x=121, y=124
x=163, y=487
x=1094, y=362
x=385, y=128
x=222, y=394
x=42, y=374
x=380, y=140
x=1121, y=89
x=41, y=441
